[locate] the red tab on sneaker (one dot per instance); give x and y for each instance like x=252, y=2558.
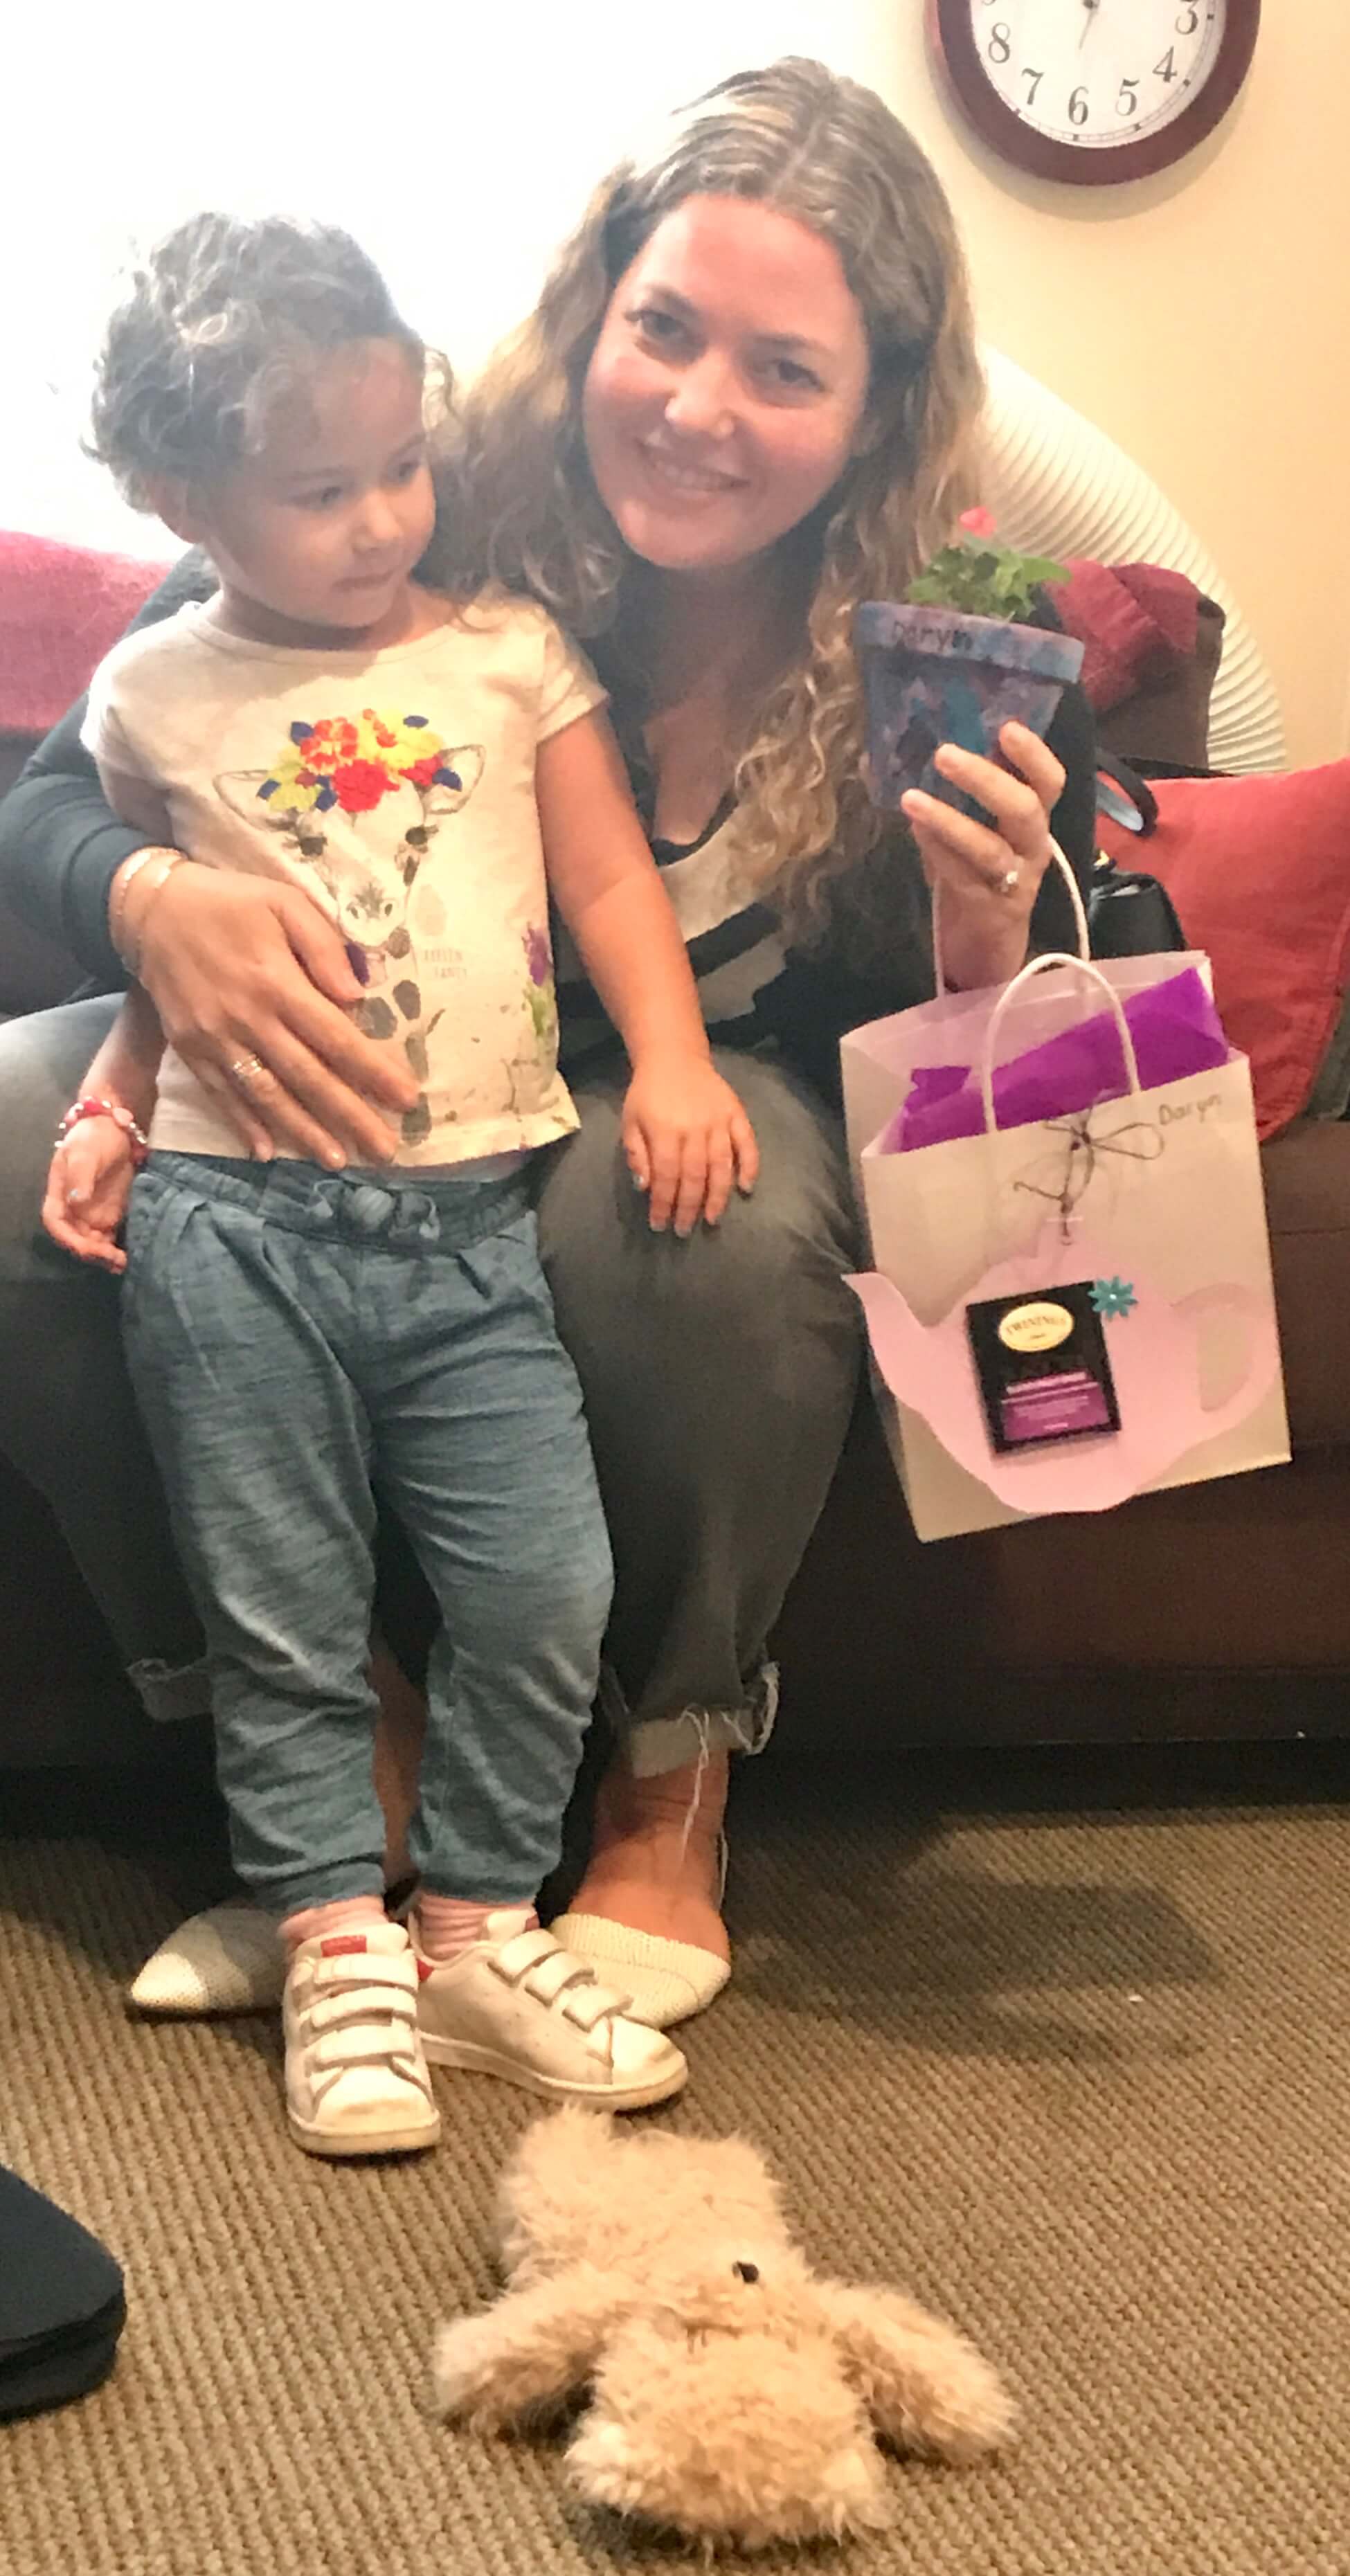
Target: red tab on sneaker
x=339, y=1944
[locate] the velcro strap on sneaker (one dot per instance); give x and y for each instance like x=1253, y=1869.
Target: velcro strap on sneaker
x=555, y=1976
x=524, y=1951
x=332, y=2012
x=591, y=2003
x=356, y=1968
x=551, y=1978
x=360, y=2044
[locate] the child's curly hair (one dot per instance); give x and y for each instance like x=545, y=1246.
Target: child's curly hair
x=225, y=320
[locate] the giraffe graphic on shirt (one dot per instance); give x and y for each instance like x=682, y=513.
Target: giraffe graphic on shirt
x=400, y=771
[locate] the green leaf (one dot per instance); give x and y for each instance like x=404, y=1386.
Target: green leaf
x=983, y=579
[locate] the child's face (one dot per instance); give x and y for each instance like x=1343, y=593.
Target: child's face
x=321, y=530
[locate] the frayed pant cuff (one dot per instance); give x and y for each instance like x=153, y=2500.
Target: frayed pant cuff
x=694, y=1734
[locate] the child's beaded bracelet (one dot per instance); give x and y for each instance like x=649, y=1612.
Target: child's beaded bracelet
x=135, y=1135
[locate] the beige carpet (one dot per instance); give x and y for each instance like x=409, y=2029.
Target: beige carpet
x=1061, y=2044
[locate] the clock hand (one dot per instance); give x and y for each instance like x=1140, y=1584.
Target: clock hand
x=1090, y=8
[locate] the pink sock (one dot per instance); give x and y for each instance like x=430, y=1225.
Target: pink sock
x=343, y=1914
x=446, y=1925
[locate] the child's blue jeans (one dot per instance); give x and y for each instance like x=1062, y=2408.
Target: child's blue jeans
x=295, y=1337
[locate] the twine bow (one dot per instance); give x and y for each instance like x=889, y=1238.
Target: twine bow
x=1082, y=1150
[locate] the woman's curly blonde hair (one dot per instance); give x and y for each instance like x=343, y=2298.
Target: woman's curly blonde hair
x=799, y=138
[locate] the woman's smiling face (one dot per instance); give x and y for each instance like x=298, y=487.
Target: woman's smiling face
x=728, y=387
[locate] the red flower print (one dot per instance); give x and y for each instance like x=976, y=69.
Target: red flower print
x=329, y=743
x=423, y=772
x=360, y=784
x=978, y=523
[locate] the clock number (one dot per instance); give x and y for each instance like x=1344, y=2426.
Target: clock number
x=1126, y=102
x=1189, y=19
x=1000, y=44
x=1166, y=69
x=1078, y=107
x=1035, y=79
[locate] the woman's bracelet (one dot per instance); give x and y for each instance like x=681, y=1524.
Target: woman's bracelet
x=163, y=862
x=135, y=1135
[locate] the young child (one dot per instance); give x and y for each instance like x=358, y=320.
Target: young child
x=428, y=772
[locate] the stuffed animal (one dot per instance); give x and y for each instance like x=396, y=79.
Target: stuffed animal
x=733, y=2394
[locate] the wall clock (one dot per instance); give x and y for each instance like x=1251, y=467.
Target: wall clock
x=1093, y=91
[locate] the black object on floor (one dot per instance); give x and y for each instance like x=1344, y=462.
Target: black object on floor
x=62, y=2304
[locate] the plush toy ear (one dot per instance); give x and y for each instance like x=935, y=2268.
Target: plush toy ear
x=527, y=2354
x=927, y=2388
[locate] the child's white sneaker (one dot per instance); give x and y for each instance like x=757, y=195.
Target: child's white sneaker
x=356, y=2076
x=516, y=2004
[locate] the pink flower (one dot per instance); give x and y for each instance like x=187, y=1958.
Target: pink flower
x=978, y=523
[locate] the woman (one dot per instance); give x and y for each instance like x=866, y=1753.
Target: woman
x=747, y=402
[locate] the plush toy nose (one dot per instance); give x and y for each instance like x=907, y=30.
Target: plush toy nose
x=746, y=2271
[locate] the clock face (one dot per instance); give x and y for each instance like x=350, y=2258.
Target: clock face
x=1093, y=91
x=1097, y=74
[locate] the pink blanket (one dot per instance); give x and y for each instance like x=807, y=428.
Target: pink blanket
x=61, y=607
x=1137, y=622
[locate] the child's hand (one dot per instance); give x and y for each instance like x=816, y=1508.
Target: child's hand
x=88, y=1187
x=686, y=1139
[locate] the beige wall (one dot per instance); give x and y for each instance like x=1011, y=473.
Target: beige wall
x=1203, y=319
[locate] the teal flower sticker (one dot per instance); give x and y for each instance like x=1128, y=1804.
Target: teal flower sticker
x=1113, y=1299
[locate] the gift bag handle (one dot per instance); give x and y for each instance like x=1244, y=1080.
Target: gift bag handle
x=1079, y=916
x=1037, y=966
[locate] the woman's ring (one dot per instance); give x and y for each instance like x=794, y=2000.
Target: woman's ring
x=246, y=1068
x=1010, y=879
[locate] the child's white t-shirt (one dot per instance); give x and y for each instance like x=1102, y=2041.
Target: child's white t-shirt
x=397, y=788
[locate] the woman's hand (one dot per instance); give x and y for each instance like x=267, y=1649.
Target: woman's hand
x=687, y=1140
x=253, y=987
x=88, y=1187
x=987, y=881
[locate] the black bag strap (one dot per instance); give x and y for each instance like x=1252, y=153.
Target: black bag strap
x=1130, y=785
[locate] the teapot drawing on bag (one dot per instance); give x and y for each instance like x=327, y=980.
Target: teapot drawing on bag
x=1156, y=1351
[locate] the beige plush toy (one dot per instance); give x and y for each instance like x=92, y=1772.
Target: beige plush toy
x=733, y=2394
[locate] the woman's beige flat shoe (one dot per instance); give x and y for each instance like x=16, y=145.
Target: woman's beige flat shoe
x=664, y=1981
x=227, y=1960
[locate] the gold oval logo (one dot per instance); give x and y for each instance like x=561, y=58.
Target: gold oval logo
x=1037, y=1327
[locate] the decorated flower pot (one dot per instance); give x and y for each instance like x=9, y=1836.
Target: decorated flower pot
x=933, y=675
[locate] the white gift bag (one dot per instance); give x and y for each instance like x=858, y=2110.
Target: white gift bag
x=1152, y=1203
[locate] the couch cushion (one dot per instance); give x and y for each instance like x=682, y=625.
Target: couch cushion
x=1259, y=870
x=1307, y=1180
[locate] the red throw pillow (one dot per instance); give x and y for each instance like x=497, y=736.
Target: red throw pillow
x=1259, y=870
